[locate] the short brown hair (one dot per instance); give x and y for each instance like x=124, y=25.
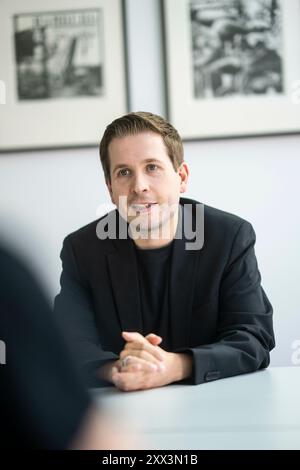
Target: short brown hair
x=136, y=123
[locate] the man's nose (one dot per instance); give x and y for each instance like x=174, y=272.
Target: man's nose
x=140, y=184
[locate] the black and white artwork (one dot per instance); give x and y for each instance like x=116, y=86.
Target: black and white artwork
x=63, y=67
x=59, y=54
x=236, y=47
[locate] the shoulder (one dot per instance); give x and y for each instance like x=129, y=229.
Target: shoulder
x=219, y=223
x=86, y=232
x=214, y=215
x=87, y=237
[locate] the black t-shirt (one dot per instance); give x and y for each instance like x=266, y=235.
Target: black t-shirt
x=154, y=271
x=43, y=401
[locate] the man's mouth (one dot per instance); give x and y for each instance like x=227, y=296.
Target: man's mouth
x=142, y=207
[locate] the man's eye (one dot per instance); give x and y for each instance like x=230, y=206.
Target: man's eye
x=124, y=172
x=152, y=167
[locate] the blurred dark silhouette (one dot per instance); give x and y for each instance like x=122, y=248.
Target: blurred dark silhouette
x=43, y=402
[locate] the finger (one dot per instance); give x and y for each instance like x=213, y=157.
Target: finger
x=132, y=336
x=154, y=339
x=137, y=363
x=118, y=365
x=114, y=371
x=142, y=354
x=139, y=354
x=130, y=381
x=137, y=367
x=145, y=346
x=132, y=367
x=120, y=380
x=126, y=360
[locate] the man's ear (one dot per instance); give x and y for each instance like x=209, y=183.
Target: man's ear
x=183, y=172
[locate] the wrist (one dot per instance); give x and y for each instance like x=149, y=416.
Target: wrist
x=183, y=366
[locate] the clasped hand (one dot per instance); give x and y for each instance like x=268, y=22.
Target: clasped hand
x=143, y=364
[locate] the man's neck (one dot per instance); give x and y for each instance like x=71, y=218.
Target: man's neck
x=157, y=238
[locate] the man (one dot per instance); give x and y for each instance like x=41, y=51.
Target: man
x=141, y=308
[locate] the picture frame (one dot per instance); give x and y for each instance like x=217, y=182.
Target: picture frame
x=63, y=64
x=232, y=67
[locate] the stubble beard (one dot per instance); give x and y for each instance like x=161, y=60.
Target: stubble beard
x=155, y=226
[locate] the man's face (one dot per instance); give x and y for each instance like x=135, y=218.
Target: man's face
x=144, y=184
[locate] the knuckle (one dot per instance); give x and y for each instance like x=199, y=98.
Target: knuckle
x=147, y=382
x=126, y=387
x=144, y=355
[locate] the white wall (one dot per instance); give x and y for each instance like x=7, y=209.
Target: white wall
x=45, y=195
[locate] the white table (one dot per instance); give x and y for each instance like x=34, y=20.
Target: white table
x=251, y=411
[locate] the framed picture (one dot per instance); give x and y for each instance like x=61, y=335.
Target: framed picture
x=233, y=67
x=63, y=66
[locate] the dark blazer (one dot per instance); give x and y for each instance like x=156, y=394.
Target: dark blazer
x=219, y=311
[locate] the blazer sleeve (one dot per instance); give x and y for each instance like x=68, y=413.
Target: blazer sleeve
x=245, y=328
x=74, y=311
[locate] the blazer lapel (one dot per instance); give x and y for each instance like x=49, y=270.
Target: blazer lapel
x=124, y=278
x=182, y=285
x=181, y=293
